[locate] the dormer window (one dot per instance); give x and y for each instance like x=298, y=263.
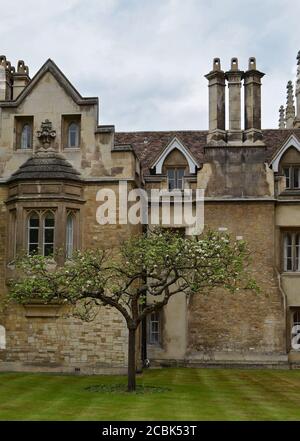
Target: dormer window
x=292, y=177
x=26, y=137
x=73, y=135
x=175, y=178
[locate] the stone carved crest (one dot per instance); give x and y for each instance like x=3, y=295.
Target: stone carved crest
x=46, y=134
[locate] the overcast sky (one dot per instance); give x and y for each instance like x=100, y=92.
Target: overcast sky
x=145, y=59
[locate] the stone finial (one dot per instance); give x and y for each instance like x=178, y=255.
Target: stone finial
x=252, y=63
x=46, y=134
x=3, y=60
x=22, y=68
x=298, y=73
x=290, y=108
x=297, y=93
x=281, y=124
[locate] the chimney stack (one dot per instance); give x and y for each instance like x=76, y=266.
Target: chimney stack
x=6, y=72
x=216, y=84
x=20, y=78
x=252, y=90
x=234, y=78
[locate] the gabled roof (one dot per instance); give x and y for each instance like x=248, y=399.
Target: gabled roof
x=174, y=144
x=50, y=66
x=292, y=141
x=149, y=145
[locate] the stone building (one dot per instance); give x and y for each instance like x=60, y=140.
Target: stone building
x=54, y=158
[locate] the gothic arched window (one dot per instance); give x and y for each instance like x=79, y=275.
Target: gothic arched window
x=73, y=135
x=48, y=233
x=41, y=232
x=70, y=235
x=26, y=137
x=33, y=233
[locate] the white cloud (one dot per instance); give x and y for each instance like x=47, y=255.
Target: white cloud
x=146, y=59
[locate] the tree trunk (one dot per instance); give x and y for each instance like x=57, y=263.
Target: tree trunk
x=131, y=361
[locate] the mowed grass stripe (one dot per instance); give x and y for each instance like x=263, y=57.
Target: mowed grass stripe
x=190, y=394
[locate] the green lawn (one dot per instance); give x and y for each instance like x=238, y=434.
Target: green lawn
x=192, y=394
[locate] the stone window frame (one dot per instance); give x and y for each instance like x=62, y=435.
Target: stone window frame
x=18, y=216
x=291, y=177
x=20, y=121
x=295, y=260
x=75, y=233
x=42, y=213
x=158, y=320
x=175, y=169
x=66, y=121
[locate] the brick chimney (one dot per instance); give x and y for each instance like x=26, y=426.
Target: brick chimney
x=6, y=77
x=216, y=84
x=234, y=78
x=20, y=79
x=252, y=90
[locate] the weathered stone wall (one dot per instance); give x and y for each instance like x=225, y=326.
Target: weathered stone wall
x=244, y=321
x=37, y=338
x=42, y=337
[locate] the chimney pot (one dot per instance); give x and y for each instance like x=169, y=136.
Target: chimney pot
x=216, y=87
x=217, y=64
x=252, y=63
x=234, y=77
x=252, y=102
x=234, y=64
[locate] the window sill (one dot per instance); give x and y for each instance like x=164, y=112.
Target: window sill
x=71, y=149
x=291, y=273
x=41, y=310
x=19, y=150
x=290, y=192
